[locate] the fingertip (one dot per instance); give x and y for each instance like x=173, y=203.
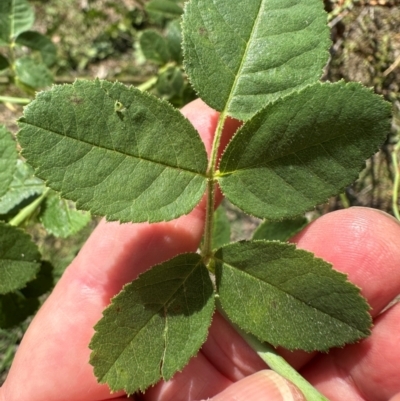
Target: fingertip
x=363, y=243
x=263, y=385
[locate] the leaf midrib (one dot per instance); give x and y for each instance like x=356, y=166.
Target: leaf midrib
x=163, y=164
x=242, y=62
x=266, y=163
x=286, y=293
x=164, y=305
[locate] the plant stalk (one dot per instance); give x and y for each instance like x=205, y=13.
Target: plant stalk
x=206, y=251
x=28, y=211
x=147, y=85
x=277, y=363
x=16, y=100
x=396, y=183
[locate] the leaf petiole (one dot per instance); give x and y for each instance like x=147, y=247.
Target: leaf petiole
x=27, y=211
x=276, y=362
x=211, y=183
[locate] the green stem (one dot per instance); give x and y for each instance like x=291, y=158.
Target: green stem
x=345, y=200
x=396, y=183
x=16, y=100
x=278, y=364
x=147, y=85
x=27, y=211
x=211, y=183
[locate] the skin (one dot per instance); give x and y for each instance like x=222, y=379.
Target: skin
x=52, y=361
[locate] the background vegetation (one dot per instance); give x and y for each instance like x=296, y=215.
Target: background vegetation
x=137, y=42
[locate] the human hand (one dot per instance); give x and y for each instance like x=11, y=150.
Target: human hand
x=52, y=361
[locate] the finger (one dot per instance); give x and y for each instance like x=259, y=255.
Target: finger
x=53, y=356
x=363, y=243
x=368, y=371
x=263, y=385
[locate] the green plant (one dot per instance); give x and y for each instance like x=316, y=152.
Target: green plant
x=29, y=72
x=24, y=198
x=131, y=157
x=165, y=51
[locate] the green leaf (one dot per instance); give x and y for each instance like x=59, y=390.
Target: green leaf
x=19, y=258
x=16, y=16
x=61, y=219
x=164, y=7
x=154, y=47
x=174, y=40
x=280, y=230
x=302, y=149
x=289, y=298
x=43, y=282
x=8, y=159
x=15, y=308
x=221, y=228
x=239, y=59
x=23, y=186
x=115, y=151
x=32, y=73
x=37, y=41
x=154, y=326
x=170, y=83
x=3, y=63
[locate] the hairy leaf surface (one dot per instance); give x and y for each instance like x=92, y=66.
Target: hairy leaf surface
x=289, y=298
x=62, y=219
x=16, y=16
x=115, y=151
x=154, y=326
x=8, y=159
x=240, y=58
x=23, y=186
x=302, y=149
x=280, y=230
x=19, y=258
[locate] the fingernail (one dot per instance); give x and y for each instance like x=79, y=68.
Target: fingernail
x=287, y=390
x=263, y=385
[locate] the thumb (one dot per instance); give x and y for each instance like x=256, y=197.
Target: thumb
x=263, y=385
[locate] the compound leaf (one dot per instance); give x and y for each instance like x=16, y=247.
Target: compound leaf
x=23, y=186
x=154, y=325
x=16, y=16
x=37, y=41
x=280, y=230
x=238, y=60
x=31, y=73
x=19, y=258
x=302, y=149
x=289, y=298
x=154, y=47
x=8, y=159
x=61, y=219
x=115, y=151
